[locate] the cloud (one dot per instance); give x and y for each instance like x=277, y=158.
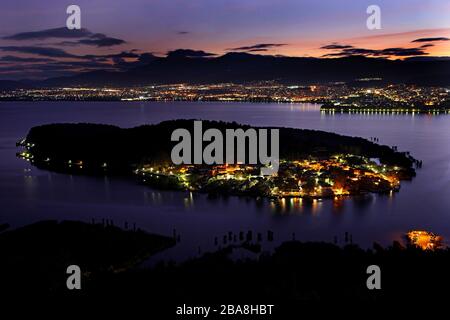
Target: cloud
x=431, y=39
x=20, y=59
x=99, y=40
x=61, y=44
x=427, y=45
x=257, y=50
x=258, y=46
x=183, y=32
x=124, y=54
x=40, y=51
x=59, y=53
x=86, y=37
x=335, y=46
x=121, y=55
x=102, y=42
x=402, y=52
x=47, y=59
x=53, y=69
x=189, y=53
x=50, y=33
x=27, y=73
x=352, y=52
x=42, y=71
x=83, y=64
x=347, y=50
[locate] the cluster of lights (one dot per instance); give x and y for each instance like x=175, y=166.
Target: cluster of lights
x=396, y=98
x=292, y=179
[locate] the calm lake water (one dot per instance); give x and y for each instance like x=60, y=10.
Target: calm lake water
x=28, y=194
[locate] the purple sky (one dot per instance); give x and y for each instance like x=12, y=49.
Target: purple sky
x=293, y=27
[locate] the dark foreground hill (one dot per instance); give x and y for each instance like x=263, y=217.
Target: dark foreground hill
x=34, y=259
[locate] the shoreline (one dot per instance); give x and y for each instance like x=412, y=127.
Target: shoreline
x=323, y=107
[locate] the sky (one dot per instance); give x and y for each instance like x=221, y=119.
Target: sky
x=121, y=34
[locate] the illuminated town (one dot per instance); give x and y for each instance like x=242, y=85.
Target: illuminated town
x=338, y=176
x=333, y=97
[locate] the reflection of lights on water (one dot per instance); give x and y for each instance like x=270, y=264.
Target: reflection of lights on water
x=189, y=201
x=156, y=197
x=272, y=205
x=283, y=204
x=297, y=205
x=316, y=205
x=424, y=239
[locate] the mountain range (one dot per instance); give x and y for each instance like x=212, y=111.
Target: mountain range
x=244, y=67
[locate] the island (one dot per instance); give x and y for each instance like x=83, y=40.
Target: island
x=313, y=164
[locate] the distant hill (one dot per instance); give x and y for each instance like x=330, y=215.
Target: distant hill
x=244, y=67
x=6, y=85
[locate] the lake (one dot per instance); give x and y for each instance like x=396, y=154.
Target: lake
x=28, y=194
